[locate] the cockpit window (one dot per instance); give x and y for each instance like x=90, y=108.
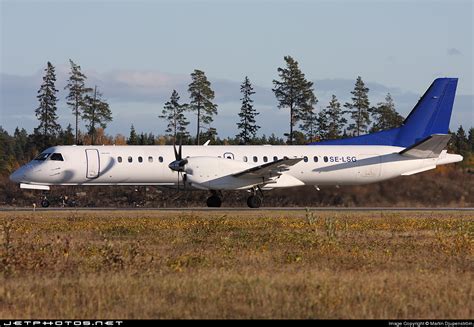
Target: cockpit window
x=56, y=157
x=42, y=156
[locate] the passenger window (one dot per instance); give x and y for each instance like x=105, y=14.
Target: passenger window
x=140, y=159
x=325, y=159
x=255, y=159
x=130, y=159
x=150, y=159
x=315, y=158
x=42, y=156
x=119, y=159
x=265, y=159
x=56, y=157
x=305, y=159
x=275, y=158
x=245, y=158
x=160, y=159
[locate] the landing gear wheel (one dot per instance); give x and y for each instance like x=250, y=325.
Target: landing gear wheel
x=45, y=203
x=214, y=201
x=254, y=201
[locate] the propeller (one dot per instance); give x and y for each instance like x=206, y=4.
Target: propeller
x=179, y=163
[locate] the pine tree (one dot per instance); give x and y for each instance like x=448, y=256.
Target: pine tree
x=133, y=137
x=385, y=116
x=310, y=121
x=293, y=91
x=201, y=96
x=77, y=92
x=462, y=143
x=359, y=108
x=471, y=139
x=48, y=128
x=6, y=151
x=335, y=119
x=173, y=112
x=96, y=113
x=20, y=144
x=322, y=125
x=247, y=125
x=66, y=136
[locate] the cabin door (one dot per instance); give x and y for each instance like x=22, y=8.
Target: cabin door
x=93, y=163
x=229, y=155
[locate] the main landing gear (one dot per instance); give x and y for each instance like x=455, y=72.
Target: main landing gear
x=255, y=200
x=214, y=201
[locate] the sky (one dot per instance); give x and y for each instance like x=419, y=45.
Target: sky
x=137, y=52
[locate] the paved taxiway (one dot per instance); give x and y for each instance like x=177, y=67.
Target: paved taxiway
x=12, y=209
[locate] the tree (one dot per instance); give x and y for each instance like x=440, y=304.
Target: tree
x=6, y=151
x=247, y=125
x=359, y=108
x=471, y=139
x=335, y=119
x=293, y=91
x=462, y=142
x=385, y=116
x=173, y=112
x=133, y=137
x=66, y=137
x=21, y=145
x=46, y=112
x=201, y=96
x=310, y=121
x=322, y=125
x=96, y=113
x=77, y=92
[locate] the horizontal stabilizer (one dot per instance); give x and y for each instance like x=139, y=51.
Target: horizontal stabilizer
x=430, y=147
x=268, y=170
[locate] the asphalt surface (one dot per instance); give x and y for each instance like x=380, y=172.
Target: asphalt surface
x=13, y=209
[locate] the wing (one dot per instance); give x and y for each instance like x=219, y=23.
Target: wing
x=268, y=170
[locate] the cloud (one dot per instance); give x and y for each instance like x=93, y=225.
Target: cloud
x=453, y=52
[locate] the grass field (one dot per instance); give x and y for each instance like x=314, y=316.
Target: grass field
x=237, y=265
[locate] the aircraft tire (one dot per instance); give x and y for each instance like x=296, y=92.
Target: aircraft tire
x=45, y=203
x=214, y=201
x=254, y=201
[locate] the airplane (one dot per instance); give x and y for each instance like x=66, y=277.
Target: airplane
x=416, y=146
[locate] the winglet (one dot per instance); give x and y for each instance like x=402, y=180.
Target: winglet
x=429, y=147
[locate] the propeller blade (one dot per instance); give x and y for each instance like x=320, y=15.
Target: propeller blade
x=184, y=177
x=180, y=148
x=176, y=157
x=178, y=180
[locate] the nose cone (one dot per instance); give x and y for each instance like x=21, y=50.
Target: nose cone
x=17, y=175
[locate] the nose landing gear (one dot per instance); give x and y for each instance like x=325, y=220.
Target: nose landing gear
x=45, y=202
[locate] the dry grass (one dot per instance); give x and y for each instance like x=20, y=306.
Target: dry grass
x=236, y=265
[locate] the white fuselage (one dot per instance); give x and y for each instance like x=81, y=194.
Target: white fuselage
x=148, y=165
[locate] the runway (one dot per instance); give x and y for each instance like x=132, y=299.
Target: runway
x=235, y=209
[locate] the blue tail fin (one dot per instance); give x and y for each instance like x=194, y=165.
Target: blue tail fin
x=431, y=115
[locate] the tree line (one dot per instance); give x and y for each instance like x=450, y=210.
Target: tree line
x=292, y=90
